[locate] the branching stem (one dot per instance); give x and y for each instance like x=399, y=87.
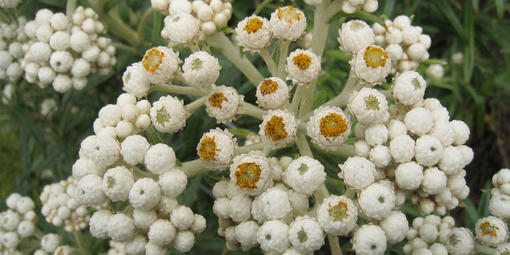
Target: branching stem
x=177, y=89
x=268, y=59
x=252, y=110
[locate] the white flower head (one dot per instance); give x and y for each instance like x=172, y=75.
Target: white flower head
x=369, y=106
x=201, y=69
x=287, y=23
x=136, y=81
x=491, y=230
x=253, y=33
x=273, y=236
x=409, y=88
x=371, y=65
x=395, y=226
x=337, y=215
x=409, y=176
x=181, y=28
x=303, y=66
x=358, y=172
x=460, y=241
x=278, y=128
x=223, y=103
x=304, y=175
x=377, y=201
x=274, y=204
x=246, y=234
x=306, y=235
x=168, y=114
x=329, y=127
x=272, y=93
x=369, y=239
x=160, y=158
x=355, y=35
x=161, y=232
x=217, y=148
x=121, y=227
x=117, y=183
x=145, y=194
x=250, y=172
x=161, y=64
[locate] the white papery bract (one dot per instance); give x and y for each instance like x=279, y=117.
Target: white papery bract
x=355, y=35
x=328, y=127
x=161, y=64
x=136, y=80
x=216, y=148
x=278, y=128
x=181, y=28
x=369, y=239
x=303, y=66
x=201, y=69
x=253, y=33
x=272, y=93
x=491, y=230
x=304, y=175
x=337, y=215
x=168, y=114
x=460, y=241
x=306, y=235
x=223, y=103
x=273, y=236
x=287, y=23
x=250, y=172
x=369, y=106
x=358, y=172
x=371, y=65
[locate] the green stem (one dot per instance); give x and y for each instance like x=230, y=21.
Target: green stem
x=139, y=173
x=261, y=6
x=252, y=110
x=193, y=167
x=303, y=147
x=133, y=50
x=141, y=27
x=296, y=100
x=224, y=252
x=282, y=61
x=365, y=16
x=248, y=148
x=193, y=106
x=79, y=241
x=271, y=65
x=343, y=98
x=177, y=89
x=70, y=7
x=334, y=8
x=233, y=54
x=115, y=24
x=484, y=249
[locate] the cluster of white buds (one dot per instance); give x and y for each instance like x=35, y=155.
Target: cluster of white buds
x=16, y=223
x=499, y=204
x=116, y=248
x=405, y=44
x=418, y=148
x=190, y=21
x=157, y=220
x=429, y=234
x=52, y=244
x=12, y=49
x=127, y=117
x=265, y=203
x=61, y=208
x=350, y=6
x=63, y=51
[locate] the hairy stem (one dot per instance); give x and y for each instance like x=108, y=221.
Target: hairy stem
x=70, y=7
x=303, y=147
x=141, y=26
x=133, y=50
x=193, y=167
x=248, y=148
x=193, y=106
x=233, y=54
x=252, y=110
x=343, y=98
x=268, y=59
x=484, y=249
x=177, y=89
x=284, y=51
x=79, y=241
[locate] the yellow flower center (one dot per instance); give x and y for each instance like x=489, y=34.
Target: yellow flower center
x=217, y=99
x=375, y=57
x=268, y=86
x=489, y=229
x=302, y=61
x=247, y=175
x=152, y=59
x=333, y=125
x=253, y=25
x=339, y=211
x=275, y=129
x=289, y=14
x=208, y=148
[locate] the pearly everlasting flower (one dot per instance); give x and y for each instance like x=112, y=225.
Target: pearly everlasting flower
x=355, y=35
x=419, y=121
x=89, y=191
x=117, y=183
x=136, y=81
x=369, y=106
x=161, y=64
x=460, y=241
x=409, y=176
x=328, y=127
x=250, y=172
x=145, y=194
x=201, y=69
x=121, y=227
x=376, y=201
x=184, y=241
x=428, y=150
x=160, y=158
x=223, y=103
x=168, y=114
x=306, y=235
x=434, y=181
x=99, y=224
x=337, y=215
x=491, y=230
x=304, y=175
x=303, y=66
x=246, y=234
x=161, y=232
x=104, y=151
x=287, y=23
x=369, y=239
x=272, y=93
x=395, y=226
x=371, y=65
x=217, y=148
x=409, y=88
x=357, y=172
x=402, y=148
x=273, y=236
x=181, y=28
x=253, y=33
x=274, y=204
x=278, y=128
x=133, y=149
x=173, y=182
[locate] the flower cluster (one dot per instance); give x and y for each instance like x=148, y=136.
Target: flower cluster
x=52, y=244
x=405, y=44
x=108, y=173
x=500, y=194
x=61, y=208
x=12, y=49
x=16, y=223
x=191, y=21
x=63, y=51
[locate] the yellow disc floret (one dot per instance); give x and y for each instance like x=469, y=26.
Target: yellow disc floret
x=253, y=25
x=338, y=212
x=217, y=99
x=289, y=14
x=333, y=125
x=275, y=129
x=302, y=61
x=247, y=175
x=152, y=59
x=268, y=86
x=489, y=229
x=375, y=56
x=208, y=148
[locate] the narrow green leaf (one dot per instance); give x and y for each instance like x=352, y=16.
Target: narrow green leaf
x=110, y=4
x=469, y=32
x=447, y=10
x=471, y=212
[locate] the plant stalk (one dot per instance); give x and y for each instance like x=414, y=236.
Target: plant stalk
x=282, y=60
x=79, y=241
x=193, y=167
x=268, y=59
x=193, y=106
x=252, y=110
x=177, y=89
x=70, y=7
x=342, y=99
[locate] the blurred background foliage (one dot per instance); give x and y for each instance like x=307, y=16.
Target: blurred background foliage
x=37, y=150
